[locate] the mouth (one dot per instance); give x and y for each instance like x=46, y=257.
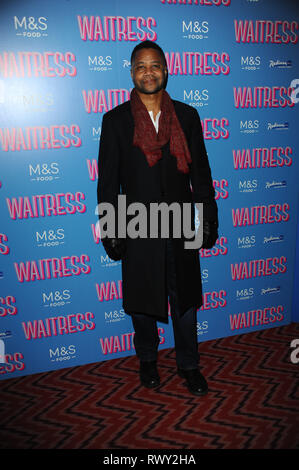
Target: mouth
x=149, y=81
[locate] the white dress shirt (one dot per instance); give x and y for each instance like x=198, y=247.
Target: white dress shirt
x=155, y=121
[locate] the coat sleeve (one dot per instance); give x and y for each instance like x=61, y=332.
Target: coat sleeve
x=200, y=172
x=108, y=187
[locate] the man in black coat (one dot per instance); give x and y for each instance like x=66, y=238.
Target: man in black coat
x=152, y=151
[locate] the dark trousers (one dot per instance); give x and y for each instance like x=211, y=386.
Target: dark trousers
x=146, y=338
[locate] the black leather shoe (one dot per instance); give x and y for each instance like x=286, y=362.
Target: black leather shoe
x=195, y=381
x=149, y=376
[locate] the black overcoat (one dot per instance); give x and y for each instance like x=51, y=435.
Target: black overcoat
x=123, y=169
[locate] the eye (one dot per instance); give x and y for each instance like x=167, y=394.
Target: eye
x=156, y=67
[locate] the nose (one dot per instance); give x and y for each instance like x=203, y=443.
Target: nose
x=147, y=73
x=149, y=69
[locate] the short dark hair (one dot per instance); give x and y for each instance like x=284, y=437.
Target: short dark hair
x=147, y=45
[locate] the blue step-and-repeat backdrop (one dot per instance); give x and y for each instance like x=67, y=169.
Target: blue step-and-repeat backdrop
x=63, y=64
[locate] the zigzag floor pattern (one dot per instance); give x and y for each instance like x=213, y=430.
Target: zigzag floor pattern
x=252, y=402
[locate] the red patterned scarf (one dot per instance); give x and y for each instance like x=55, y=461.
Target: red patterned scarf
x=147, y=139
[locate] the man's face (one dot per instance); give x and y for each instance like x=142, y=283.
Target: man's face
x=148, y=71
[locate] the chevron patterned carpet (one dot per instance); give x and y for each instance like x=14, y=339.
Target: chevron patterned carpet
x=252, y=403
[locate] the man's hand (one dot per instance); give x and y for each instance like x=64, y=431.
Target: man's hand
x=210, y=234
x=114, y=247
